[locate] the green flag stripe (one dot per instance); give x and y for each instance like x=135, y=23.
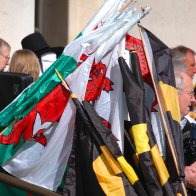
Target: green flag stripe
x=31, y=96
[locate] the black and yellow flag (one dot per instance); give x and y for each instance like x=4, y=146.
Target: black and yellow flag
x=93, y=168
x=156, y=155
x=162, y=73
x=135, y=98
x=108, y=141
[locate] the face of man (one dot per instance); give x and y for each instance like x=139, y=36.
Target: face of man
x=186, y=96
x=4, y=57
x=190, y=64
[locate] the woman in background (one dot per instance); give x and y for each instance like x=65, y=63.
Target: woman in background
x=25, y=61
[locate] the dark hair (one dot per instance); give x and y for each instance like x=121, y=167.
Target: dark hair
x=181, y=49
x=179, y=55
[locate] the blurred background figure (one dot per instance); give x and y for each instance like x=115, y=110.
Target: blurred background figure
x=25, y=61
x=183, y=59
x=46, y=54
x=186, y=97
x=4, y=54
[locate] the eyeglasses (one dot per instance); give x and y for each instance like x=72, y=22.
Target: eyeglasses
x=190, y=94
x=6, y=57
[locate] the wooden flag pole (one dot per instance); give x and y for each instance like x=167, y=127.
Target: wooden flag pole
x=16, y=182
x=162, y=110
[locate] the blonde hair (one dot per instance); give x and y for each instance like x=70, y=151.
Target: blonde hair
x=25, y=61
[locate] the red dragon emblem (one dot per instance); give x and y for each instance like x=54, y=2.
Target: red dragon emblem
x=133, y=43
x=82, y=59
x=46, y=112
x=97, y=82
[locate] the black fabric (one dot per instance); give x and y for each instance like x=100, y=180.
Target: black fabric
x=162, y=58
x=108, y=138
x=86, y=149
x=191, y=192
x=129, y=149
x=163, y=72
x=81, y=179
x=134, y=92
x=103, y=132
x=11, y=85
x=189, y=142
x=167, y=187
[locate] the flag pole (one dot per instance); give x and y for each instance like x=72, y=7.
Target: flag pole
x=4, y=130
x=162, y=111
x=16, y=182
x=126, y=5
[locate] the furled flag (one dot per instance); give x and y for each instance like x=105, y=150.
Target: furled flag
x=136, y=45
x=161, y=67
x=156, y=156
x=134, y=93
x=133, y=43
x=108, y=139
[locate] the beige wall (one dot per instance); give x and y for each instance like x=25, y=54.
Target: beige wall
x=17, y=20
x=173, y=21
x=54, y=16
x=80, y=12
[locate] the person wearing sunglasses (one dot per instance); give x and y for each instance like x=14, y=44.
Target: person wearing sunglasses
x=4, y=54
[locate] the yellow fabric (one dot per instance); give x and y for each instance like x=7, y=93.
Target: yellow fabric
x=159, y=165
x=111, y=184
x=128, y=170
x=141, y=139
x=72, y=95
x=170, y=99
x=111, y=160
x=192, y=115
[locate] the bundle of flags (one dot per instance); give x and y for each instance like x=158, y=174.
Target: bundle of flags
x=68, y=127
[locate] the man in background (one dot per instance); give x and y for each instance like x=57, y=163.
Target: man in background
x=186, y=98
x=183, y=59
x=4, y=54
